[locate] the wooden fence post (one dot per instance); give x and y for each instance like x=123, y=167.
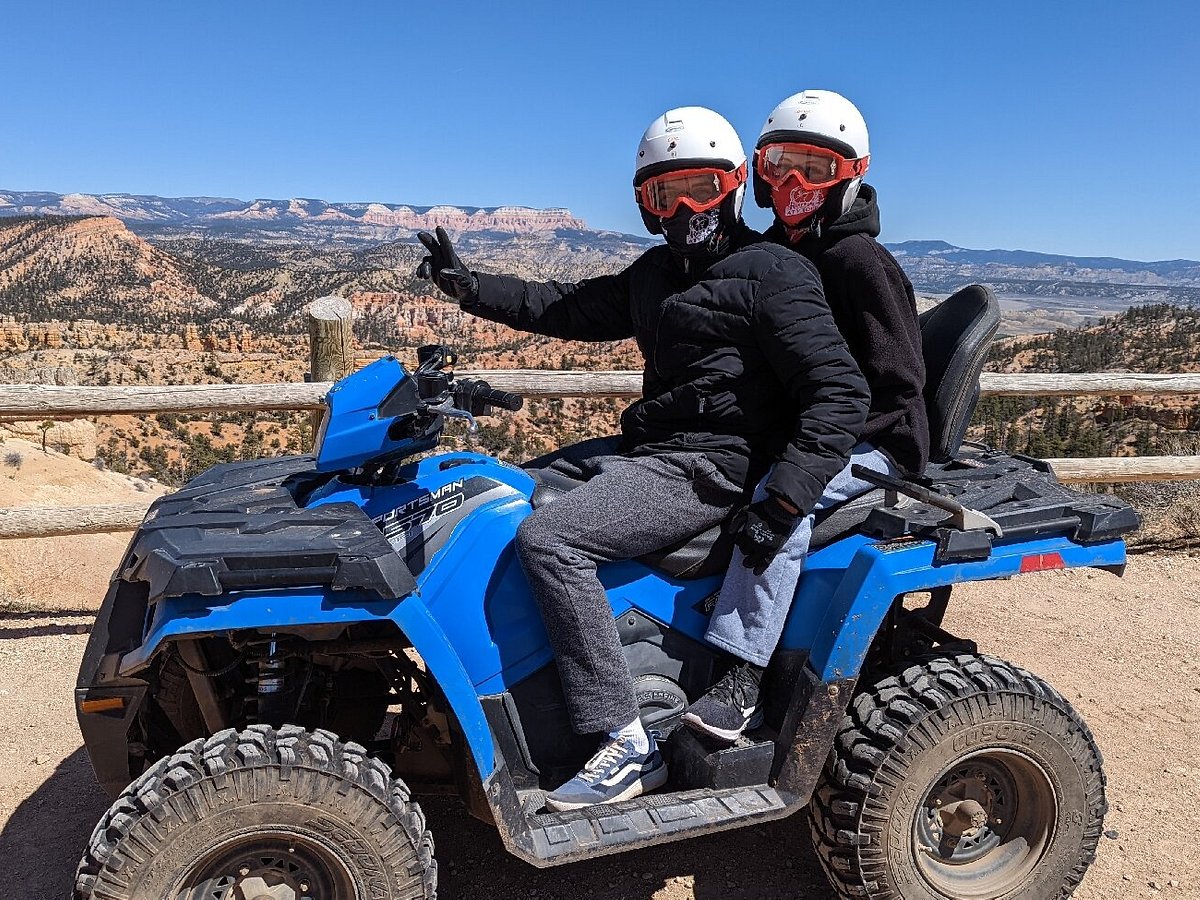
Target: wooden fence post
x=330, y=343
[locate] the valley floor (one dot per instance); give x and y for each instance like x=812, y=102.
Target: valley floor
x=1125, y=652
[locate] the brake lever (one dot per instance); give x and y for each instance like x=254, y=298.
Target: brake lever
x=448, y=409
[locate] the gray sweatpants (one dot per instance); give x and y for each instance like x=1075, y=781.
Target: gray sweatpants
x=752, y=609
x=628, y=507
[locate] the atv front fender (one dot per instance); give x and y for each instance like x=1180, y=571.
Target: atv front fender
x=192, y=616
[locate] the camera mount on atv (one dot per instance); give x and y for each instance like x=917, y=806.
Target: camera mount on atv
x=433, y=373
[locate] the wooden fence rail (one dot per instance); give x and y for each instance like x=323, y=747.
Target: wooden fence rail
x=40, y=401
x=54, y=521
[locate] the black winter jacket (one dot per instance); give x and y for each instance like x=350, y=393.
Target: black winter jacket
x=718, y=344
x=873, y=304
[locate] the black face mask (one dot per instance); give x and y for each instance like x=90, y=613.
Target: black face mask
x=694, y=234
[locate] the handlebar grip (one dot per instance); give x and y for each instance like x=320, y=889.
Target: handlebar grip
x=503, y=399
x=476, y=397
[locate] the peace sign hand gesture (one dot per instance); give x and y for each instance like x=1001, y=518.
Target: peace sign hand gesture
x=443, y=267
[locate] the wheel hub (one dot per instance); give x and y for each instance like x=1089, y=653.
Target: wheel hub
x=963, y=818
x=266, y=868
x=966, y=812
x=984, y=824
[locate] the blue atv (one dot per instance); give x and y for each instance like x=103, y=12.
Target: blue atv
x=293, y=649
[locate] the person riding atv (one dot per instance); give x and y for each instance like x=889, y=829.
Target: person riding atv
x=726, y=323
x=809, y=162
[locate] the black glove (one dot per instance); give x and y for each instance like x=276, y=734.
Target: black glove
x=443, y=267
x=760, y=531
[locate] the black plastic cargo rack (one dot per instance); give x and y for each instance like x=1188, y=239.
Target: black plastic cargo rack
x=1017, y=493
x=239, y=526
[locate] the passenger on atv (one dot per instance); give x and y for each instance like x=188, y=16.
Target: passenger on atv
x=809, y=163
x=724, y=320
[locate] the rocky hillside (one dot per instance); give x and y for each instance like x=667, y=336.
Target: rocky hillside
x=96, y=268
x=53, y=268
x=1156, y=338
x=1039, y=291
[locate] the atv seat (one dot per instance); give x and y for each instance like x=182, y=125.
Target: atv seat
x=955, y=336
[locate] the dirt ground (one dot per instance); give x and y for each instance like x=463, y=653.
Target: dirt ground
x=1123, y=651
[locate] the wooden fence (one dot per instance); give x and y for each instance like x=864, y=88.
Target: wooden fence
x=331, y=357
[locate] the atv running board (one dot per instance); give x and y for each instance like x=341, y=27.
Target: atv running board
x=549, y=839
x=811, y=717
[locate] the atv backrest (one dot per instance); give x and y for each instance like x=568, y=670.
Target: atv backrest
x=955, y=336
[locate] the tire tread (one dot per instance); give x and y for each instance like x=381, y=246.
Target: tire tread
x=222, y=762
x=894, y=709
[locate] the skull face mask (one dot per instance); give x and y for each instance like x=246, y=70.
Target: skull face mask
x=692, y=233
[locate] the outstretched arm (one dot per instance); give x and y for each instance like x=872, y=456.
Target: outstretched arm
x=595, y=309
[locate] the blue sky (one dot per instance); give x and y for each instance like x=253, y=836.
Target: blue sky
x=1063, y=126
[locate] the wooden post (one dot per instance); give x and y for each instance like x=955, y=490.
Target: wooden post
x=330, y=343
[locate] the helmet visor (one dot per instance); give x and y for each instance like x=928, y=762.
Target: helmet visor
x=815, y=167
x=699, y=189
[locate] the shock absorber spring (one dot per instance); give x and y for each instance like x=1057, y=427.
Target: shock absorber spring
x=270, y=684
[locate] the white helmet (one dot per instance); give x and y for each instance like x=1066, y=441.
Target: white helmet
x=691, y=137
x=824, y=119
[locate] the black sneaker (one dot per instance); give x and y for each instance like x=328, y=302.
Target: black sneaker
x=617, y=772
x=730, y=706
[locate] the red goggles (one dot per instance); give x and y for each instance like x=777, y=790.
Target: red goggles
x=815, y=167
x=699, y=189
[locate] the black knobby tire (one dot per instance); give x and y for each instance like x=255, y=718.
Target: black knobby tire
x=281, y=806
x=890, y=818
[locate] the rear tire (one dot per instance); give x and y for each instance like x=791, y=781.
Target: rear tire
x=264, y=812
x=959, y=778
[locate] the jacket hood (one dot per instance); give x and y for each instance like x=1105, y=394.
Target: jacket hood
x=863, y=217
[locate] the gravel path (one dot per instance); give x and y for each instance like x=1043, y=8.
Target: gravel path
x=1123, y=651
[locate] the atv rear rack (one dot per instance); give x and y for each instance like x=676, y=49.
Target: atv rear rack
x=990, y=497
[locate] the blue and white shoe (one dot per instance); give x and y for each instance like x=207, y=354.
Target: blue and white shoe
x=617, y=772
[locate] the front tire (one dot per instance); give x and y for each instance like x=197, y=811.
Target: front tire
x=284, y=813
x=960, y=778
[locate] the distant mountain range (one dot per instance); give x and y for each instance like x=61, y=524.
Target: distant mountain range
x=554, y=242
x=306, y=221
x=1182, y=270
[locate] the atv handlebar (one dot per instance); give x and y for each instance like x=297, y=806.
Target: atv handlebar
x=503, y=399
x=476, y=396
x=437, y=385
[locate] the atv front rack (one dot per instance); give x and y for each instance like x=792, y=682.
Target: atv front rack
x=984, y=496
x=239, y=526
